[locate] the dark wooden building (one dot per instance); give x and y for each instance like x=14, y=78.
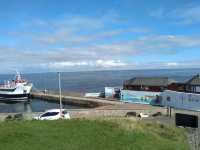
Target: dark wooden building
x=193, y=85
x=154, y=84
x=158, y=84
x=177, y=86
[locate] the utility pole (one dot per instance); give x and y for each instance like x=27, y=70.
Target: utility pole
x=60, y=96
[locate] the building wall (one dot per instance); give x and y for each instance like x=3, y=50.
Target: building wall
x=181, y=100
x=198, y=89
x=109, y=91
x=193, y=89
x=112, y=92
x=144, y=88
x=177, y=87
x=174, y=87
x=142, y=97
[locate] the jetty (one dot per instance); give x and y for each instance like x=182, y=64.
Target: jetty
x=74, y=100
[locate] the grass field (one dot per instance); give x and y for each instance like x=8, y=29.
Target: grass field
x=117, y=134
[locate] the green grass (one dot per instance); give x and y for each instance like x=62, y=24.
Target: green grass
x=89, y=135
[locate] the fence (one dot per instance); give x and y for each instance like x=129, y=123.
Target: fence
x=181, y=100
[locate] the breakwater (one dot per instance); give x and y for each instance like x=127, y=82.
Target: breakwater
x=74, y=100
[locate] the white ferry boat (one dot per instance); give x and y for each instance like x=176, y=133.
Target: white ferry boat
x=15, y=90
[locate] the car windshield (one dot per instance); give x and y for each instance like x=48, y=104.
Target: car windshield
x=64, y=112
x=48, y=114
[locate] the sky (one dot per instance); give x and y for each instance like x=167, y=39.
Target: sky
x=82, y=35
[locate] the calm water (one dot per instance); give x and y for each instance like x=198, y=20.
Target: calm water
x=34, y=105
x=95, y=81
x=91, y=81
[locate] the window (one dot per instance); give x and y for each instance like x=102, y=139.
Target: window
x=48, y=114
x=198, y=89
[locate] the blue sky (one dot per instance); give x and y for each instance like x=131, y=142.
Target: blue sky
x=65, y=35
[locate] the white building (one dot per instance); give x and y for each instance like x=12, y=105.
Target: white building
x=181, y=100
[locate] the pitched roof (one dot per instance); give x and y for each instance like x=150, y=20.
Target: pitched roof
x=149, y=81
x=195, y=80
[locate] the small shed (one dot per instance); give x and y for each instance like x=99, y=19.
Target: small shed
x=112, y=92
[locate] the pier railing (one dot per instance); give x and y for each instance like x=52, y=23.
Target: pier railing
x=65, y=93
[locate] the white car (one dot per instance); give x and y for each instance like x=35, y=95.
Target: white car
x=53, y=114
x=143, y=115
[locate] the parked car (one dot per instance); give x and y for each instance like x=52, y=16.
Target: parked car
x=143, y=115
x=53, y=114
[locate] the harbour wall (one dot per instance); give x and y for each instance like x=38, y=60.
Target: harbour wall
x=74, y=100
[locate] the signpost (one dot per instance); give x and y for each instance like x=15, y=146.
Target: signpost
x=60, y=96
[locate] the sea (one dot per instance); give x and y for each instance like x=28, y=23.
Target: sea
x=83, y=82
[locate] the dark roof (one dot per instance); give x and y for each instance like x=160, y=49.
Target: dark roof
x=194, y=81
x=149, y=81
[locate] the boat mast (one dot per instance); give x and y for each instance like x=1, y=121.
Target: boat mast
x=60, y=96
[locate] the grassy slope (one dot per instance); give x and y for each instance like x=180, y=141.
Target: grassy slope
x=89, y=135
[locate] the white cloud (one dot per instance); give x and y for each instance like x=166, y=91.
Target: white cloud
x=77, y=42
x=102, y=55
x=92, y=64
x=158, y=13
x=110, y=63
x=187, y=15
x=66, y=64
x=172, y=64
x=67, y=36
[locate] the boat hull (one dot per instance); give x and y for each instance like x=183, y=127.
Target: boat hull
x=14, y=97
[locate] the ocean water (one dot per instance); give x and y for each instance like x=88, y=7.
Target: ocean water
x=33, y=105
x=93, y=81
